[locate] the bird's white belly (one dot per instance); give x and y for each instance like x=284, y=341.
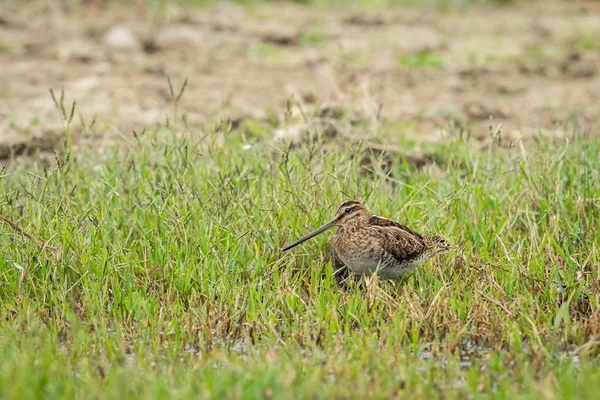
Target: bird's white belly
x=362, y=266
x=384, y=270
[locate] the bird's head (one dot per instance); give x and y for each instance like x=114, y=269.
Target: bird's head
x=349, y=211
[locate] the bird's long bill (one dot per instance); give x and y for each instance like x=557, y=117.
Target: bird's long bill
x=310, y=235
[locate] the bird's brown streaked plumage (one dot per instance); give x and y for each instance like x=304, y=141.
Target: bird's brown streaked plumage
x=367, y=244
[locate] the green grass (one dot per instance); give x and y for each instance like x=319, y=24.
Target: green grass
x=268, y=52
x=181, y=289
x=312, y=36
x=588, y=42
x=421, y=59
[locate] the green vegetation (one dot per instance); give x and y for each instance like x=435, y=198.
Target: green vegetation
x=421, y=59
x=588, y=43
x=535, y=52
x=313, y=36
x=6, y=47
x=155, y=270
x=269, y=52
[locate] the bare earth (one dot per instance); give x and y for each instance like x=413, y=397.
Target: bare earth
x=533, y=67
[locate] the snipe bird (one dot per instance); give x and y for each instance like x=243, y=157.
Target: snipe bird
x=369, y=244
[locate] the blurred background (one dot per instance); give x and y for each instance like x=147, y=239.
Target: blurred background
x=420, y=69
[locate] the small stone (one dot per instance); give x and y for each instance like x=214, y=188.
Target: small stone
x=480, y=110
x=177, y=35
x=121, y=38
x=293, y=133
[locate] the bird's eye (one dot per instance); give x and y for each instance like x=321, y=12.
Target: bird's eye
x=348, y=210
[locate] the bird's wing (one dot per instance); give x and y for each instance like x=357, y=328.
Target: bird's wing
x=400, y=241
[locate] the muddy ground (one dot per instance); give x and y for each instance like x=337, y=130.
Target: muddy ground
x=532, y=67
